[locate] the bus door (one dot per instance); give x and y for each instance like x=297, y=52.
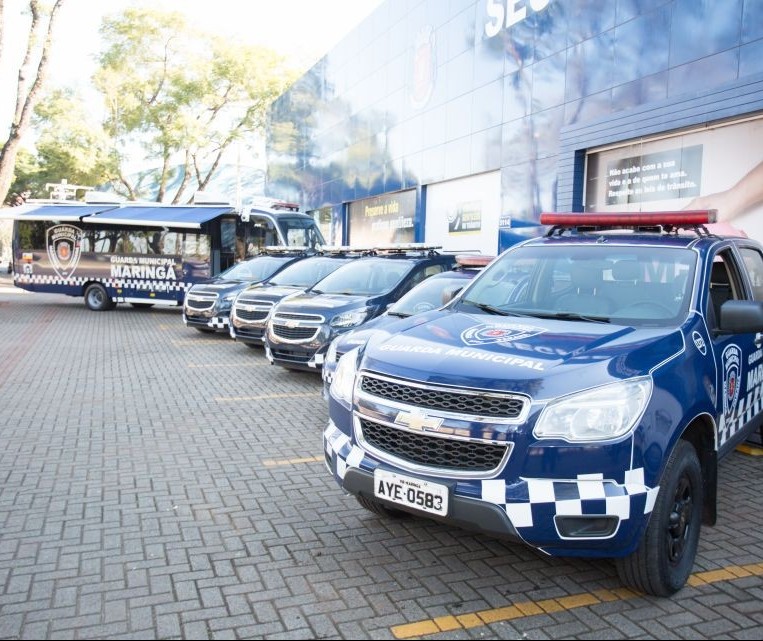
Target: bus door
x=224, y=241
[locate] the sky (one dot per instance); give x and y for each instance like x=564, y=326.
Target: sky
x=302, y=30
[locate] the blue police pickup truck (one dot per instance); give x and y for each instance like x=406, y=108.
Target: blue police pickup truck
x=576, y=396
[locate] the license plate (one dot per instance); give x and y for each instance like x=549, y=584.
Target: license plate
x=411, y=492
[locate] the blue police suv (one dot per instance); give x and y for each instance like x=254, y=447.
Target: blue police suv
x=301, y=327
x=254, y=304
x=582, y=411
x=207, y=306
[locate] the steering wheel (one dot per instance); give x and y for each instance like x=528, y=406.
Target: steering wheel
x=662, y=311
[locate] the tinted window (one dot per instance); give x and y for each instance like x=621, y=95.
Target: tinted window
x=305, y=273
x=256, y=269
x=366, y=276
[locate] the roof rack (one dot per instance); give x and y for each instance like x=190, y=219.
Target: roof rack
x=341, y=250
x=655, y=221
x=287, y=249
x=404, y=249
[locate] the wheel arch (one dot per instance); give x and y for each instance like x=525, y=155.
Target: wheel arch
x=700, y=432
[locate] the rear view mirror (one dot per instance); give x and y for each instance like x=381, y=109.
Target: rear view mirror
x=449, y=293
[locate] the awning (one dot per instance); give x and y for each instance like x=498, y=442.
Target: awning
x=178, y=216
x=62, y=212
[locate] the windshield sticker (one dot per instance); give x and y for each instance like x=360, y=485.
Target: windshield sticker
x=490, y=334
x=64, y=249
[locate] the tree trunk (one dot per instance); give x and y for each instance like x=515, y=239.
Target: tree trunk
x=26, y=100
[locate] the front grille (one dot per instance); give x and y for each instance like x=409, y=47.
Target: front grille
x=251, y=315
x=295, y=333
x=290, y=355
x=433, y=451
x=195, y=301
x=477, y=404
x=307, y=318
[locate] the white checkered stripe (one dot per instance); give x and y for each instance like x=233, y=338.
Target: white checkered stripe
x=219, y=322
x=347, y=455
x=115, y=283
x=587, y=494
x=749, y=407
x=545, y=498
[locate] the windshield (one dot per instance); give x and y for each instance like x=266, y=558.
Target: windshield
x=627, y=285
x=300, y=232
x=306, y=273
x=425, y=296
x=366, y=276
x=256, y=269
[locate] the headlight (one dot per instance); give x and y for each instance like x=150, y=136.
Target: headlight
x=603, y=413
x=344, y=377
x=350, y=319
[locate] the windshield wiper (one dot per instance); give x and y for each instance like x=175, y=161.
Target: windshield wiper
x=398, y=314
x=574, y=316
x=490, y=309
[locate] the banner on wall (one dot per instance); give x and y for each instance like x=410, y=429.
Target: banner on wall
x=383, y=219
x=465, y=218
x=462, y=214
x=718, y=167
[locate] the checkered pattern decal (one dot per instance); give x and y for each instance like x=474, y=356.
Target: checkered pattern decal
x=115, y=283
x=543, y=498
x=219, y=322
x=750, y=406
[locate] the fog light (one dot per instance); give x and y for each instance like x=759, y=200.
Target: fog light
x=586, y=527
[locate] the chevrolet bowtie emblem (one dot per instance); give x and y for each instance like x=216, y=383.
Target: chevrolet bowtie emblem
x=417, y=421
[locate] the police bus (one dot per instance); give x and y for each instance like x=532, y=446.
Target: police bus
x=142, y=254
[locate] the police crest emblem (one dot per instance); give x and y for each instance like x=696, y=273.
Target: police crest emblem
x=732, y=362
x=490, y=333
x=64, y=249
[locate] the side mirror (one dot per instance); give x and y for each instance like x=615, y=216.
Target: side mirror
x=741, y=317
x=449, y=293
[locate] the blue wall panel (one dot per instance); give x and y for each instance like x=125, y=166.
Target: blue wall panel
x=430, y=90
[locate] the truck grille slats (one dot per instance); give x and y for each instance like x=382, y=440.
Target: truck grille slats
x=294, y=333
x=503, y=406
x=432, y=451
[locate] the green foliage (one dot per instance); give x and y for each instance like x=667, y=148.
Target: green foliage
x=70, y=145
x=180, y=96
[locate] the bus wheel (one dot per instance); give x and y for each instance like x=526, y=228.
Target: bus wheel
x=97, y=298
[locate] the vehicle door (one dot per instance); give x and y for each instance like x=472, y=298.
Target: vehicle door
x=738, y=357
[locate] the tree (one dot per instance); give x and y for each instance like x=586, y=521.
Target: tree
x=70, y=144
x=30, y=81
x=180, y=98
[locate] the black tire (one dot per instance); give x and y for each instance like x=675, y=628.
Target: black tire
x=382, y=510
x=142, y=305
x=204, y=330
x=97, y=298
x=665, y=557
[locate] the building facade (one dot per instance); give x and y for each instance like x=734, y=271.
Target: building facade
x=454, y=122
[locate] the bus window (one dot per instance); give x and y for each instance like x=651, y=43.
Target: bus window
x=31, y=234
x=196, y=247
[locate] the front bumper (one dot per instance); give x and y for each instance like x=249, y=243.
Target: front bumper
x=218, y=322
x=537, y=511
x=296, y=356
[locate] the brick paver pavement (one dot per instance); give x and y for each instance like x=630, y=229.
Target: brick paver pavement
x=160, y=483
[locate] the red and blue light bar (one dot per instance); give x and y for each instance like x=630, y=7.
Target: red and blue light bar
x=630, y=219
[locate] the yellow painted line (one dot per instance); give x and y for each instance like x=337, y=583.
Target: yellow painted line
x=532, y=608
x=297, y=461
x=752, y=450
x=263, y=397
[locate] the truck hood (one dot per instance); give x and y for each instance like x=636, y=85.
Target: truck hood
x=540, y=357
x=326, y=304
x=220, y=287
x=270, y=293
